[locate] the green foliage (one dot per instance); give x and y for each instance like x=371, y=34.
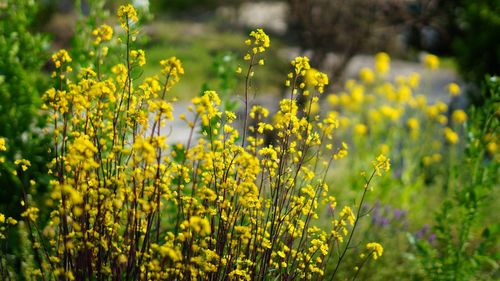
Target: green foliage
x=224, y=67
x=22, y=55
x=465, y=242
x=81, y=46
x=478, y=47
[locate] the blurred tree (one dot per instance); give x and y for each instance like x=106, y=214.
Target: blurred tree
x=350, y=27
x=477, y=46
x=344, y=27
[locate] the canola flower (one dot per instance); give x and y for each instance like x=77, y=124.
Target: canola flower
x=382, y=63
x=366, y=75
x=227, y=205
x=102, y=33
x=3, y=146
x=376, y=249
x=450, y=135
x=381, y=164
x=459, y=116
x=431, y=61
x=127, y=15
x=393, y=116
x=5, y=222
x=453, y=89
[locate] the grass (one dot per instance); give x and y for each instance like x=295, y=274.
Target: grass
x=197, y=45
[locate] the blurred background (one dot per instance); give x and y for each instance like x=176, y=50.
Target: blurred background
x=339, y=36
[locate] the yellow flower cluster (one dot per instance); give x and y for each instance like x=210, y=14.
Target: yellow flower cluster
x=450, y=135
x=366, y=75
x=127, y=15
x=23, y=163
x=259, y=41
x=3, y=146
x=399, y=117
x=453, y=89
x=125, y=204
x=138, y=57
x=382, y=63
x=102, y=33
x=5, y=222
x=316, y=79
x=173, y=69
x=301, y=65
x=376, y=250
x=459, y=116
x=431, y=61
x=60, y=58
x=381, y=164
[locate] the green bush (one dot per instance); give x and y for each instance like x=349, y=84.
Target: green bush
x=466, y=245
x=22, y=55
x=477, y=48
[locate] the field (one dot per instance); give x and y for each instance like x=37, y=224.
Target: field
x=200, y=154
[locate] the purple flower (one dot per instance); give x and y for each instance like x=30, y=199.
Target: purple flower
x=398, y=214
x=431, y=238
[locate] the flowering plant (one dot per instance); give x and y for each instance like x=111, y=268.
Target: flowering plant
x=127, y=205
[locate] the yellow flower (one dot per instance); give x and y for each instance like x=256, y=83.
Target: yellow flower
x=492, y=147
x=348, y=214
x=431, y=61
x=138, y=57
x=381, y=163
x=102, y=33
x=127, y=14
x=172, y=66
x=376, y=249
x=31, y=213
x=366, y=75
x=3, y=147
x=11, y=221
x=360, y=129
x=450, y=135
x=332, y=99
x=414, y=80
x=342, y=152
x=316, y=78
x=413, y=124
x=301, y=65
x=61, y=57
x=23, y=163
x=382, y=63
x=459, y=116
x=453, y=89
x=2, y=218
x=173, y=69
x=261, y=39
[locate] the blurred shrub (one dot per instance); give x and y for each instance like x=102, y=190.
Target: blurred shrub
x=478, y=46
x=424, y=138
x=399, y=117
x=466, y=247
x=22, y=55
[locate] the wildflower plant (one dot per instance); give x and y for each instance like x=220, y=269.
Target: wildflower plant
x=127, y=205
x=401, y=120
x=467, y=242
